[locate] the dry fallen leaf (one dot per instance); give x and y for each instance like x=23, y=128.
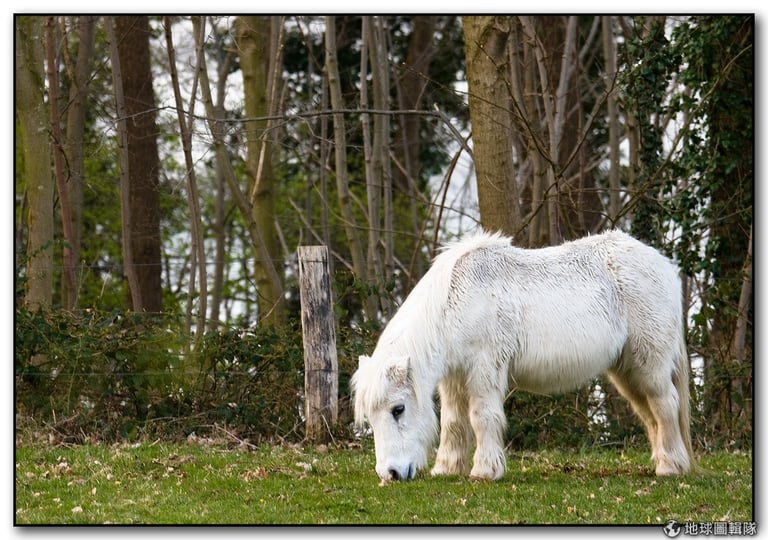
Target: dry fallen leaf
x=254, y=474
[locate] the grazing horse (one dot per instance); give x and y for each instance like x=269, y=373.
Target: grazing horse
x=488, y=315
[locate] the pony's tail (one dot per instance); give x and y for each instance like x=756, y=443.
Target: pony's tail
x=681, y=380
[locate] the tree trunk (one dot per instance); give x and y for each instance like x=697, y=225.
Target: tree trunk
x=121, y=129
x=373, y=181
x=614, y=122
x=32, y=114
x=485, y=40
x=215, y=114
x=376, y=151
x=551, y=41
x=731, y=147
x=382, y=148
x=412, y=83
x=133, y=35
x=340, y=152
x=253, y=41
x=65, y=209
x=528, y=185
x=74, y=145
x=741, y=346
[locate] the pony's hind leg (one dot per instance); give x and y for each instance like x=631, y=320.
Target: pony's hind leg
x=639, y=405
x=671, y=454
x=655, y=400
x=455, y=431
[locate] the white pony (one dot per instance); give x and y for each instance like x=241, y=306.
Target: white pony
x=488, y=315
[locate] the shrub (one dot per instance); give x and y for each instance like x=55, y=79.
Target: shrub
x=253, y=379
x=89, y=371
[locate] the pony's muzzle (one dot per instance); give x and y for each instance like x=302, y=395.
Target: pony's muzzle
x=401, y=474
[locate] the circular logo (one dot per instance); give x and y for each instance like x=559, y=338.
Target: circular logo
x=672, y=528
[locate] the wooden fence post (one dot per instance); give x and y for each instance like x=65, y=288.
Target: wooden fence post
x=321, y=372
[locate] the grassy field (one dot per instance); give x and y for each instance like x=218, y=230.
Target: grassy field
x=161, y=483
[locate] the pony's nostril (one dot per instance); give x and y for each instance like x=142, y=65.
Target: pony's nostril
x=394, y=475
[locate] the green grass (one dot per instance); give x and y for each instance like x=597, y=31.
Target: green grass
x=212, y=484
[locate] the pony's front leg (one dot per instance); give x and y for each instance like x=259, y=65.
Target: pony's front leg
x=486, y=414
x=455, y=431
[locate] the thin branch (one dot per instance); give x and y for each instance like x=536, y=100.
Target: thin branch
x=194, y=203
x=58, y=162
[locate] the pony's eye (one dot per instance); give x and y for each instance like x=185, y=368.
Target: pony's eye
x=397, y=410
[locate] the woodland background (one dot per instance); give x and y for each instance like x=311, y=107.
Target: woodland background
x=167, y=168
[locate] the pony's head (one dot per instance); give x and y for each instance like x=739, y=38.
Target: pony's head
x=400, y=412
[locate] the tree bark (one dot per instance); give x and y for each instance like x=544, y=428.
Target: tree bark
x=528, y=184
x=382, y=147
x=741, y=346
x=215, y=114
x=57, y=137
x=340, y=152
x=133, y=35
x=485, y=39
x=554, y=86
x=731, y=147
x=412, y=82
x=259, y=85
x=75, y=133
x=614, y=122
x=121, y=129
x=32, y=114
x=373, y=181
x=376, y=151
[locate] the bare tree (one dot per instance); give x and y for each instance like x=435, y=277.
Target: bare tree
x=340, y=152
x=259, y=46
x=199, y=262
x=555, y=83
x=33, y=117
x=614, y=122
x=376, y=152
x=215, y=114
x=487, y=58
x=52, y=71
x=215, y=120
x=133, y=86
x=79, y=71
x=121, y=129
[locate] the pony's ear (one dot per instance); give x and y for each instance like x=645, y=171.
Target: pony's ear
x=400, y=370
x=363, y=360
x=402, y=362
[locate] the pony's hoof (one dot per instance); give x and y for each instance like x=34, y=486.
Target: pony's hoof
x=488, y=474
x=667, y=470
